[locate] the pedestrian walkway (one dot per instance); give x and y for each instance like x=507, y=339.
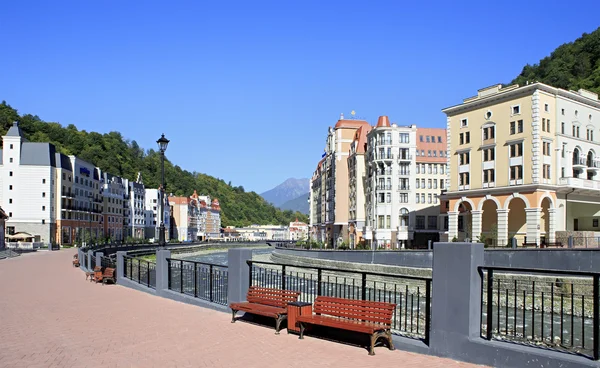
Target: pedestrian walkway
x=50, y=316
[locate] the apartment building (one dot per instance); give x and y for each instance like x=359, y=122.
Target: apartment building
x=317, y=204
x=430, y=180
x=83, y=206
x=333, y=178
x=523, y=163
x=136, y=217
x=115, y=205
x=356, y=190
x=297, y=230
x=390, y=167
x=153, y=215
x=209, y=220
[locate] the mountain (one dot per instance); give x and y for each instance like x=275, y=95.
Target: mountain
x=119, y=156
x=573, y=65
x=299, y=204
x=286, y=191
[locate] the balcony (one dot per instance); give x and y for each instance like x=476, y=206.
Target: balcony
x=404, y=158
x=384, y=142
x=402, y=229
x=68, y=195
x=579, y=163
x=385, y=156
x=593, y=166
x=578, y=183
x=403, y=187
x=384, y=187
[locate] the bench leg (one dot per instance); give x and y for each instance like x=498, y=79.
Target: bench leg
x=390, y=342
x=372, y=346
x=301, y=330
x=233, y=312
x=280, y=319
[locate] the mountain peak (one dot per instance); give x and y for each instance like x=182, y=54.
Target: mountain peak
x=290, y=189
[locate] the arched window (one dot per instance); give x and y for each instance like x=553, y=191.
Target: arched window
x=404, y=219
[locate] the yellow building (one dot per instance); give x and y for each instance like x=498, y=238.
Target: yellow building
x=520, y=166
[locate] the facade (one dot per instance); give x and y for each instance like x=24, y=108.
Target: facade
x=297, y=230
x=523, y=164
x=82, y=205
x=356, y=187
x=390, y=168
x=136, y=219
x=153, y=215
x=317, y=204
x=209, y=219
x=333, y=178
x=195, y=218
x=116, y=202
x=430, y=174
x=3, y=218
x=27, y=190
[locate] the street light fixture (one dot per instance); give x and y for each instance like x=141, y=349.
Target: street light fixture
x=162, y=146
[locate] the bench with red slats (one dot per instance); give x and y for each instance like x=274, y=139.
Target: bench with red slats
x=363, y=316
x=266, y=302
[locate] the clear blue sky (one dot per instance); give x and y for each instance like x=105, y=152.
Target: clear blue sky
x=245, y=90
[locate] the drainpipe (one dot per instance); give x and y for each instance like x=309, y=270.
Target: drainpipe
x=567, y=207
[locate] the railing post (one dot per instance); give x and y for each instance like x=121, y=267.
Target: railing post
x=490, y=296
x=210, y=282
x=596, y=295
x=319, y=275
x=427, y=310
x=195, y=280
x=162, y=271
x=239, y=274
x=364, y=286
x=283, y=277
x=249, y=273
x=148, y=274
x=169, y=271
x=181, y=276
x=130, y=267
x=139, y=280
x=570, y=241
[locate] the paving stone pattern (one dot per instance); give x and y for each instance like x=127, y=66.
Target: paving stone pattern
x=50, y=316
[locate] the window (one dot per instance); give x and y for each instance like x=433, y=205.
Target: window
x=442, y=168
x=404, y=138
x=422, y=198
x=431, y=222
x=429, y=198
x=520, y=126
x=11, y=146
x=546, y=148
x=417, y=198
x=429, y=183
x=432, y=139
x=441, y=183
x=516, y=150
x=417, y=152
x=429, y=153
x=513, y=127
x=380, y=221
x=43, y=221
x=10, y=187
x=489, y=154
x=427, y=139
x=440, y=138
x=516, y=172
x=434, y=154
x=10, y=200
x=441, y=153
x=428, y=169
x=516, y=110
x=434, y=184
x=43, y=208
x=543, y=124
x=10, y=214
x=546, y=171
x=423, y=153
x=576, y=112
x=423, y=183
x=464, y=123
x=463, y=158
x=418, y=169
x=418, y=184
x=562, y=111
x=464, y=179
x=10, y=173
x=548, y=125
x=461, y=138
x=420, y=223
x=421, y=138
x=489, y=176
x=546, y=107
x=488, y=133
x=388, y=221
x=11, y=160
x=562, y=128
x=43, y=181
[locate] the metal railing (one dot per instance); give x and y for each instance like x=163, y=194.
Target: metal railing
x=140, y=270
x=92, y=257
x=206, y=281
x=108, y=262
x=412, y=295
x=552, y=309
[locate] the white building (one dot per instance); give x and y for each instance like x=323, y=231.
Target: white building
x=153, y=216
x=115, y=206
x=390, y=161
x=136, y=219
x=297, y=230
x=84, y=205
x=27, y=189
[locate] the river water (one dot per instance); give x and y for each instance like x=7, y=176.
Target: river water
x=221, y=257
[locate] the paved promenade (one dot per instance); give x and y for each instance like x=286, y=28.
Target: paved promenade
x=51, y=317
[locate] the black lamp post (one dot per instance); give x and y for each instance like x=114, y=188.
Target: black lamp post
x=90, y=197
x=162, y=146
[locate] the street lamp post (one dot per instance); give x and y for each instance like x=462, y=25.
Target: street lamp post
x=162, y=146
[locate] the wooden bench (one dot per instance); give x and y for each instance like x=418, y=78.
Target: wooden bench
x=108, y=275
x=363, y=316
x=266, y=302
x=98, y=271
x=75, y=261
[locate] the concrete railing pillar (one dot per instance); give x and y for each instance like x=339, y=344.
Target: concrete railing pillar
x=162, y=270
x=120, y=265
x=476, y=220
x=456, y=307
x=99, y=256
x=81, y=258
x=533, y=224
x=238, y=274
x=90, y=254
x=551, y=236
x=502, y=227
x=452, y=225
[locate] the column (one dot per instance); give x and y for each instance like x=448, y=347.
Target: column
x=533, y=224
x=99, y=256
x=162, y=271
x=238, y=277
x=456, y=307
x=452, y=225
x=120, y=265
x=551, y=225
x=88, y=262
x=502, y=227
x=476, y=224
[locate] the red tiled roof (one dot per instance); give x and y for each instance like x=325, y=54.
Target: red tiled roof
x=354, y=124
x=383, y=121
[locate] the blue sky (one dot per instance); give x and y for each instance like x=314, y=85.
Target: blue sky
x=246, y=90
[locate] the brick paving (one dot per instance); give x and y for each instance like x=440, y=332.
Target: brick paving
x=51, y=317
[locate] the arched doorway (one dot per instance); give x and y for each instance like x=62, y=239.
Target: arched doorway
x=489, y=222
x=465, y=221
x=576, y=162
x=517, y=220
x=590, y=164
x=545, y=220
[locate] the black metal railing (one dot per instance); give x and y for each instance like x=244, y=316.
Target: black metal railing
x=108, y=262
x=201, y=280
x=140, y=270
x=92, y=257
x=553, y=309
x=411, y=294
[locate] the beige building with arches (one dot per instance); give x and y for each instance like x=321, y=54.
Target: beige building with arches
x=520, y=165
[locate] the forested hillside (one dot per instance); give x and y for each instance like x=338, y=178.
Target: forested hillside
x=572, y=66
x=117, y=155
